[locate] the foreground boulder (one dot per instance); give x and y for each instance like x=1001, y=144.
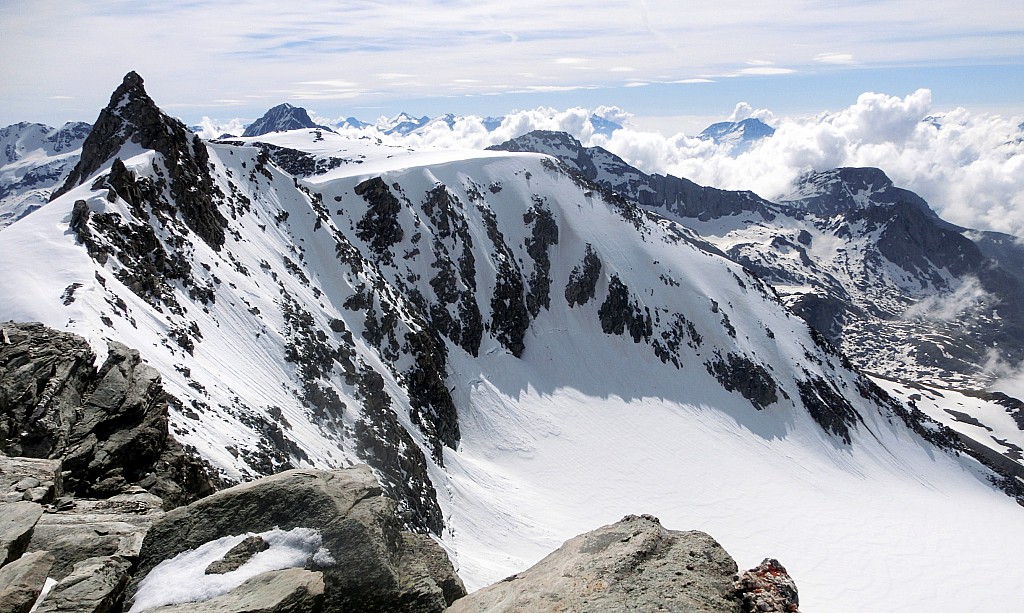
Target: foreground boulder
x=108, y=425
x=96, y=585
x=367, y=562
x=634, y=565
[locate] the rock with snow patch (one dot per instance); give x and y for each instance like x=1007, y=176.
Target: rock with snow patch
x=632, y=565
x=376, y=567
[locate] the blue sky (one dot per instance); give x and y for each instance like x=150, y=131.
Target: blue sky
x=671, y=64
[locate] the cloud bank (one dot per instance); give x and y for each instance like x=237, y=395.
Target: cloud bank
x=969, y=167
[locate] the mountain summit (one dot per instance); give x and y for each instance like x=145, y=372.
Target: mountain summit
x=132, y=122
x=281, y=118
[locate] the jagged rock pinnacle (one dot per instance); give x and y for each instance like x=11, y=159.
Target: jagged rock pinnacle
x=133, y=116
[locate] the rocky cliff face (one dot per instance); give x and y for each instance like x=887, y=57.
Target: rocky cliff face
x=106, y=425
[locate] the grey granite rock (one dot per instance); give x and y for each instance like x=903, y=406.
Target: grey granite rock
x=634, y=565
x=95, y=585
x=22, y=580
x=17, y=521
x=358, y=526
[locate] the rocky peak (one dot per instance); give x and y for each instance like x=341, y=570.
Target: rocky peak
x=132, y=116
x=560, y=145
x=281, y=118
x=842, y=190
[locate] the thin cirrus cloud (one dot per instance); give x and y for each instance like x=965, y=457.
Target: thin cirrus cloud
x=186, y=49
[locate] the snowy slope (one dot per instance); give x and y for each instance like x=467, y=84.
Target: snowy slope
x=34, y=159
x=868, y=264
x=519, y=354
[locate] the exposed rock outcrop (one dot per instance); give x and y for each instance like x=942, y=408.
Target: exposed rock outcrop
x=32, y=479
x=132, y=116
x=632, y=565
x=108, y=426
x=768, y=588
x=79, y=529
x=95, y=585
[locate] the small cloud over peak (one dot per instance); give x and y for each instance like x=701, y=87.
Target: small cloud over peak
x=570, y=61
x=743, y=111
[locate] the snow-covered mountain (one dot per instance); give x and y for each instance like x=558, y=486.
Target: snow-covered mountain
x=739, y=135
x=907, y=296
x=35, y=159
x=405, y=124
x=518, y=352
x=401, y=124
x=282, y=118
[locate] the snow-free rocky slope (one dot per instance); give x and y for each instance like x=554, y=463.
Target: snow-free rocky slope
x=518, y=353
